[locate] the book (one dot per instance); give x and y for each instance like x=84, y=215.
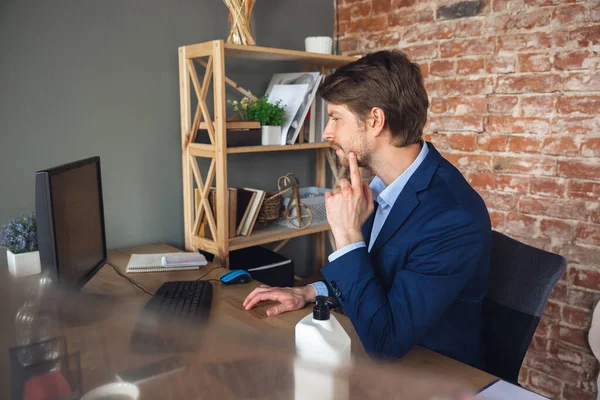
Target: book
x=154, y=262
x=253, y=212
x=245, y=199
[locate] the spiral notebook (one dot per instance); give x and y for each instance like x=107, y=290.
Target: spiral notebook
x=164, y=262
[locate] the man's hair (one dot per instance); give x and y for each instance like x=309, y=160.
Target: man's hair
x=387, y=80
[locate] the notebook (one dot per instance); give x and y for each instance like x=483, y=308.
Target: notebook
x=165, y=262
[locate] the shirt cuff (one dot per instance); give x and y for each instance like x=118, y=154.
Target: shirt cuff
x=320, y=288
x=340, y=252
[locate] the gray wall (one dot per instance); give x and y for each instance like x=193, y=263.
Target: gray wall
x=84, y=78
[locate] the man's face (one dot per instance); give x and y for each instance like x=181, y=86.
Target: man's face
x=346, y=133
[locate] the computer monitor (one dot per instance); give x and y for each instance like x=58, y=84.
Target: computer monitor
x=70, y=221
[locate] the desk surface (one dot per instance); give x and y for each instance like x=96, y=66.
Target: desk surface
x=243, y=353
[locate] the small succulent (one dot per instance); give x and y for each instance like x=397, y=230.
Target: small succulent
x=19, y=235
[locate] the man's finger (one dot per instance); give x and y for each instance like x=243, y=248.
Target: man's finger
x=278, y=309
x=272, y=295
x=354, y=173
x=254, y=293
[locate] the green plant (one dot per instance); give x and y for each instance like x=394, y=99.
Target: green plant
x=260, y=109
x=19, y=235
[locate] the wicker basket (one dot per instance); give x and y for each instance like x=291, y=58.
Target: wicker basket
x=270, y=209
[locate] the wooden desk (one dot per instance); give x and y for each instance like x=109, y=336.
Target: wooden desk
x=246, y=349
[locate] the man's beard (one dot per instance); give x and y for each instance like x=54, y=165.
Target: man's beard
x=364, y=160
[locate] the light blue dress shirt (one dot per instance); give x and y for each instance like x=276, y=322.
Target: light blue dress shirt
x=385, y=197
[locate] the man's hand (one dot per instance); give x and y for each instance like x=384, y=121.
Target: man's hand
x=290, y=299
x=349, y=206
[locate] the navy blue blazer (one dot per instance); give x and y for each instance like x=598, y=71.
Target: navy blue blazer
x=426, y=276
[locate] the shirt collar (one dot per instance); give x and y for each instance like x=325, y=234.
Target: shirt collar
x=386, y=196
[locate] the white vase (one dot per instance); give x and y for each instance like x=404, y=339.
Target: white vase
x=24, y=264
x=271, y=135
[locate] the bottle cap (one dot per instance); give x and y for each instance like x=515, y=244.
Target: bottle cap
x=322, y=307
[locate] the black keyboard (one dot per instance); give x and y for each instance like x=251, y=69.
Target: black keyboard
x=168, y=318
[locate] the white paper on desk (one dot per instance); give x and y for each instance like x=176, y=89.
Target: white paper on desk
x=502, y=390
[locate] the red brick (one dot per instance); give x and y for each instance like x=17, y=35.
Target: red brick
x=457, y=123
x=583, y=298
x=524, y=144
x=587, y=278
x=442, y=68
x=582, y=81
x=502, y=104
x=573, y=14
x=589, y=234
x=579, y=169
x=403, y=18
x=595, y=217
x=589, y=104
x=553, y=367
x=573, y=336
x=427, y=32
x=502, y=64
x=537, y=106
x=565, y=353
x=440, y=141
x=463, y=142
x=498, y=219
x=534, y=62
x=470, y=66
x=552, y=311
x=538, y=344
x=523, y=376
x=492, y=143
x=360, y=10
x=378, y=40
x=556, y=228
x=559, y=292
x=467, y=47
x=462, y=87
x=547, y=2
x=437, y=105
x=499, y=201
x=576, y=125
x=470, y=162
x=531, y=41
x=576, y=317
x=466, y=105
x=584, y=255
x=559, y=208
x=520, y=225
x=573, y=392
x=403, y=3
x=534, y=18
x=509, y=124
x=512, y=183
x=578, y=59
x=507, y=5
x=560, y=146
x=421, y=51
x=348, y=44
x=583, y=190
x=544, y=384
x=526, y=165
x=367, y=24
x=529, y=83
x=586, y=36
x=381, y=6
x=482, y=180
x=466, y=27
x=424, y=70
x=548, y=187
x=591, y=148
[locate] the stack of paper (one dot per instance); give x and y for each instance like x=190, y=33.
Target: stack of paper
x=165, y=262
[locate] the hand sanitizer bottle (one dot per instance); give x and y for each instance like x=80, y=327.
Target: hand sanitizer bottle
x=322, y=352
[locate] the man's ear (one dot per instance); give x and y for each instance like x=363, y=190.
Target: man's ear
x=376, y=121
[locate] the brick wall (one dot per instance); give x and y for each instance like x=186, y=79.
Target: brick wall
x=514, y=90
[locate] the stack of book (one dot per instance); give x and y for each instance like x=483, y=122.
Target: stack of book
x=244, y=206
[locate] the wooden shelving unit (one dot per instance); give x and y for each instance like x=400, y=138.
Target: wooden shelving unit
x=212, y=56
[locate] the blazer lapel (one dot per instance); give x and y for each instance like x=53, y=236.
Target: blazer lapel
x=407, y=200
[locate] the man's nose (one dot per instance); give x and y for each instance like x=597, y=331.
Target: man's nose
x=328, y=132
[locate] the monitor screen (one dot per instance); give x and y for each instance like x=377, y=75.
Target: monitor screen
x=70, y=218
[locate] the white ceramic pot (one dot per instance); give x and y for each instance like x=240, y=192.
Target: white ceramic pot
x=24, y=264
x=271, y=135
x=318, y=44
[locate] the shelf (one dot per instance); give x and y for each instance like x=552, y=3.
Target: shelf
x=255, y=149
x=267, y=54
x=273, y=233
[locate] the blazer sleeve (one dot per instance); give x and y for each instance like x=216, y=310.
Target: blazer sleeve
x=442, y=259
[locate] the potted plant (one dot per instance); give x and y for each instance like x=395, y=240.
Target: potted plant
x=269, y=114
x=19, y=236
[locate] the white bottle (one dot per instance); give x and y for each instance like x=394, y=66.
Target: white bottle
x=322, y=355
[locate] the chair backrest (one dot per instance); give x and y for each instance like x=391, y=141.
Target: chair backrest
x=520, y=281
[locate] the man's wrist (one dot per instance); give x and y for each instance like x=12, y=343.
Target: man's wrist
x=345, y=238
x=310, y=294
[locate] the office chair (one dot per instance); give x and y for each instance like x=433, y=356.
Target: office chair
x=520, y=281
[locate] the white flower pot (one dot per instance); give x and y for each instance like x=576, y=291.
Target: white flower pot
x=24, y=264
x=271, y=135
x=318, y=44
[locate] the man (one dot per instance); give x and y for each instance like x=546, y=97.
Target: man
x=412, y=267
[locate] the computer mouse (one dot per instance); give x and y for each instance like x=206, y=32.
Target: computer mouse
x=236, y=276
